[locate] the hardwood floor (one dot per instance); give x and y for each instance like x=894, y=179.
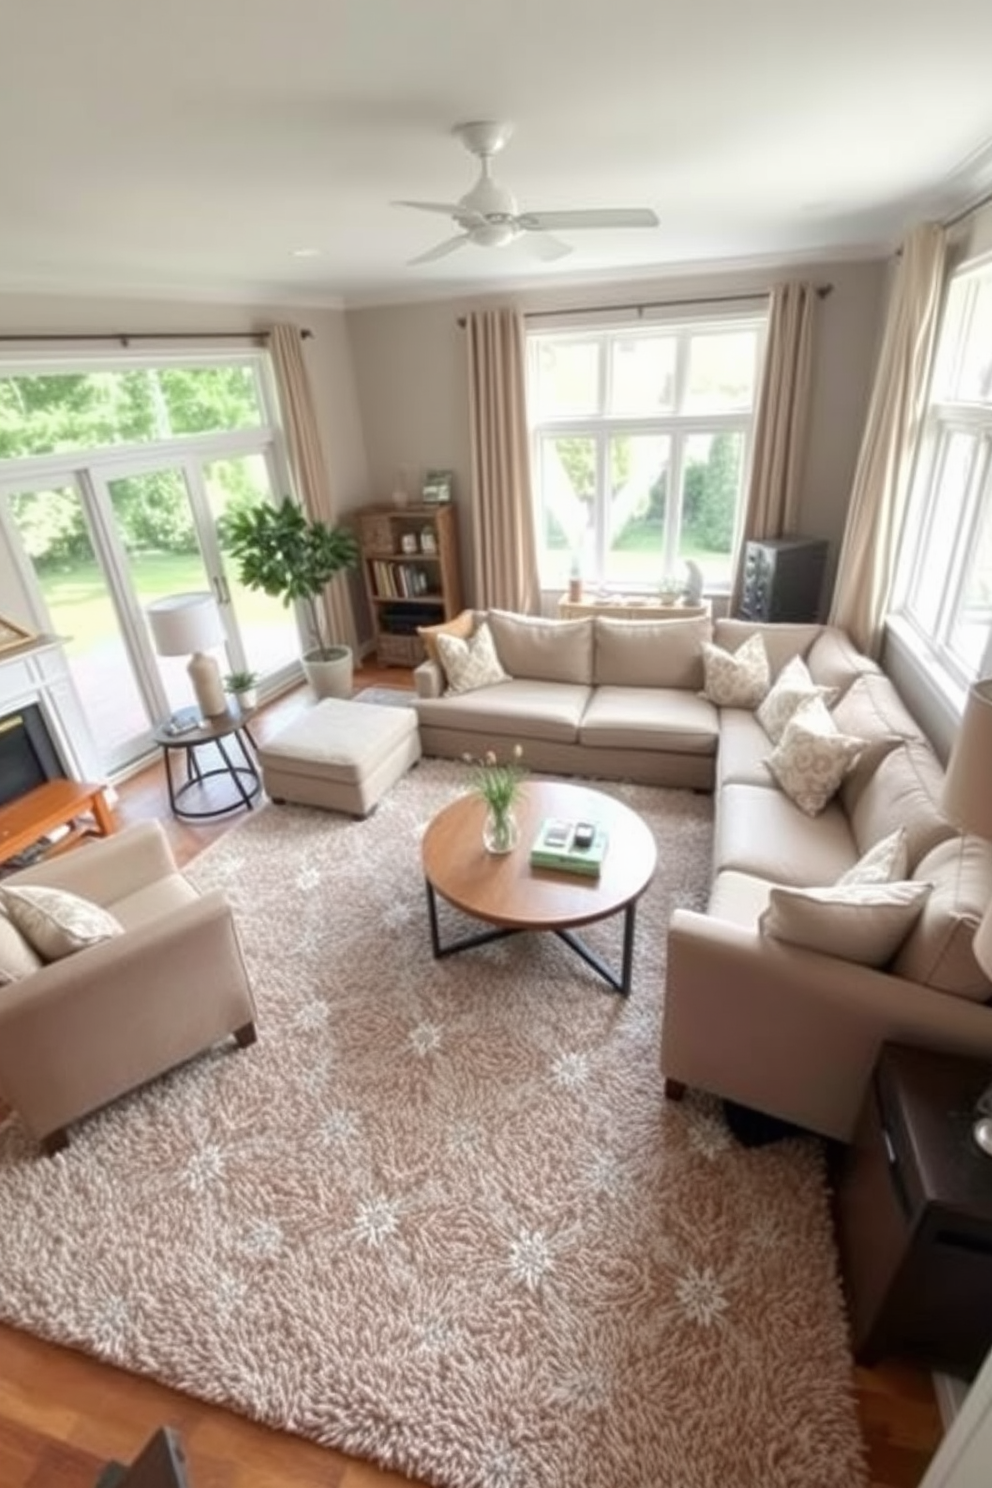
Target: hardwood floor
x=63, y=1415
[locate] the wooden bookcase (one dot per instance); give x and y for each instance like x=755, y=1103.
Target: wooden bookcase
x=410, y=566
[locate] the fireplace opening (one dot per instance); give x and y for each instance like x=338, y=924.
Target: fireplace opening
x=28, y=756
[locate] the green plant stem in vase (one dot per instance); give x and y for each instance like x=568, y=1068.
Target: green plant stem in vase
x=499, y=784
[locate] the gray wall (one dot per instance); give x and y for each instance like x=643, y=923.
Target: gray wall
x=409, y=366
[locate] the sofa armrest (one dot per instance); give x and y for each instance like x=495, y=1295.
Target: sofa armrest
x=105, y=869
x=793, y=1032
x=428, y=680
x=83, y=1030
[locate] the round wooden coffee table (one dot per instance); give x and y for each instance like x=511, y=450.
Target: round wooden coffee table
x=510, y=896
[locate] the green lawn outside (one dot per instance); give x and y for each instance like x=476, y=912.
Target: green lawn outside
x=80, y=604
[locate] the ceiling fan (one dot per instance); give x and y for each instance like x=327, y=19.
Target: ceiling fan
x=488, y=216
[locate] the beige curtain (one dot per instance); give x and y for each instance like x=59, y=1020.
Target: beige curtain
x=307, y=464
x=505, y=548
x=865, y=571
x=780, y=425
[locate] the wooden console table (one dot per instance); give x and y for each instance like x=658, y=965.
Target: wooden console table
x=632, y=609
x=57, y=803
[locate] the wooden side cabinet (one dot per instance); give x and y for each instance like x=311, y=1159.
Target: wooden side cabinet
x=914, y=1214
x=410, y=568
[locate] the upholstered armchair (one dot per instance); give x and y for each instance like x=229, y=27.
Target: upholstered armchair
x=79, y=1031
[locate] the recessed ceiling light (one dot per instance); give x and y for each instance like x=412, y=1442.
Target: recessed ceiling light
x=306, y=252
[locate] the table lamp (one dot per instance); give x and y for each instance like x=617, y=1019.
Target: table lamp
x=188, y=625
x=967, y=800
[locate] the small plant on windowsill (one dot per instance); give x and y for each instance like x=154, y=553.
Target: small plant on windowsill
x=499, y=783
x=243, y=686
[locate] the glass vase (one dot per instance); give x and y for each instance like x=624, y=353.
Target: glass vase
x=500, y=831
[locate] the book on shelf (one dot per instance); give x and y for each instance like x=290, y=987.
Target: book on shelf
x=555, y=847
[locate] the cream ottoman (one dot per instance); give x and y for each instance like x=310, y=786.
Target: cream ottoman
x=340, y=755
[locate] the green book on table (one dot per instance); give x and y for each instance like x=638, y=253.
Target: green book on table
x=555, y=847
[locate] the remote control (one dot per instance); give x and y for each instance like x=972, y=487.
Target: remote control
x=583, y=835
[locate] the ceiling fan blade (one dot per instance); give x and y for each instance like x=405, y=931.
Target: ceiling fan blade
x=542, y=245
x=450, y=209
x=441, y=250
x=596, y=217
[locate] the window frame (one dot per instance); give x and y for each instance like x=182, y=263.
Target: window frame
x=678, y=426
x=930, y=638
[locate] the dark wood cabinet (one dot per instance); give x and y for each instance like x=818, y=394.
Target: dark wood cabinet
x=914, y=1214
x=783, y=577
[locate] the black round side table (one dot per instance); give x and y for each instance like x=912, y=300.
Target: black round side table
x=241, y=770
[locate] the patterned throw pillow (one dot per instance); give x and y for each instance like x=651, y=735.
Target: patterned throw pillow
x=886, y=862
x=472, y=663
x=812, y=758
x=859, y=922
x=793, y=686
x=736, y=679
x=17, y=959
x=57, y=923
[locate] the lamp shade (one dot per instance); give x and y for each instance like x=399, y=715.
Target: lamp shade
x=184, y=623
x=967, y=794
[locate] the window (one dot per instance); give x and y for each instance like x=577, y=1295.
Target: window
x=944, y=578
x=641, y=444
x=114, y=474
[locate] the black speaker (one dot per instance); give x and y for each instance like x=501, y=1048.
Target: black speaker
x=782, y=579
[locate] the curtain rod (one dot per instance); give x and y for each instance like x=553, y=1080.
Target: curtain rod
x=822, y=291
x=126, y=337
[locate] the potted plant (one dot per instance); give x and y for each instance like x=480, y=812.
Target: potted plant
x=243, y=687
x=284, y=553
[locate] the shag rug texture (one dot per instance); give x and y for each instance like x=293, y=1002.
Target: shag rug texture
x=441, y=1215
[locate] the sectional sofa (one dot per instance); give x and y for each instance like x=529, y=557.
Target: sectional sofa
x=774, y=1025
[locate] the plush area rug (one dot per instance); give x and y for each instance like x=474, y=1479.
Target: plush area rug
x=441, y=1215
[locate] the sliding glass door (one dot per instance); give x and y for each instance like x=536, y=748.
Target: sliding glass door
x=107, y=543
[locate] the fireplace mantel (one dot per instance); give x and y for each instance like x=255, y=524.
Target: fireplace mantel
x=37, y=672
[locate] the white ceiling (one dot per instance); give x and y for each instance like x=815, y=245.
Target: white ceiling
x=189, y=147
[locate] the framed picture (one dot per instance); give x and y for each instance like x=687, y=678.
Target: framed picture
x=12, y=634
x=438, y=485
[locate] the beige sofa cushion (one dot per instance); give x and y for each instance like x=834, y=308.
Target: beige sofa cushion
x=872, y=709
x=661, y=718
x=792, y=687
x=461, y=627
x=886, y=862
x=903, y=791
x=939, y=951
x=57, y=923
x=17, y=956
x=743, y=749
x=857, y=922
x=739, y=898
x=782, y=642
x=812, y=757
x=761, y=832
x=510, y=712
x=736, y=679
x=543, y=650
x=834, y=661
x=471, y=663
x=650, y=653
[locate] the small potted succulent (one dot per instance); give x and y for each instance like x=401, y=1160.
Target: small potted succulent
x=243, y=687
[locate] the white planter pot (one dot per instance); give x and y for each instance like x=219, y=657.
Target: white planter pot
x=330, y=676
x=247, y=699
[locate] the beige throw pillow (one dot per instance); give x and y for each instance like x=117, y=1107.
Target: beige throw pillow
x=57, y=923
x=886, y=862
x=858, y=922
x=471, y=663
x=793, y=687
x=736, y=679
x=461, y=627
x=812, y=758
x=17, y=959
